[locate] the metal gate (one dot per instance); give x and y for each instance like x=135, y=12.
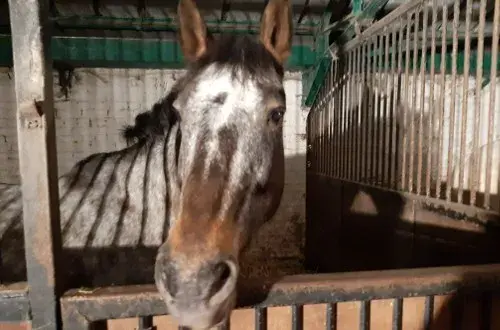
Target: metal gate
x=370, y=157
x=403, y=143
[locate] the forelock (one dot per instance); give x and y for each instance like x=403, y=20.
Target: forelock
x=243, y=55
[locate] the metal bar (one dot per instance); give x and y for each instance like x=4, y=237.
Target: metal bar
x=377, y=119
x=475, y=162
x=441, y=103
x=451, y=135
x=260, y=319
x=428, y=312
x=464, y=110
x=405, y=107
x=324, y=142
x=14, y=303
x=109, y=52
x=492, y=105
x=386, y=144
x=413, y=106
x=364, y=113
x=387, y=20
x=421, y=107
x=143, y=300
x=350, y=122
x=369, y=115
x=297, y=317
x=343, y=136
x=359, y=114
x=226, y=6
x=37, y=157
x=393, y=104
x=338, y=117
x=397, y=314
x=329, y=106
x=331, y=317
x=320, y=132
x=432, y=116
x=303, y=12
x=145, y=323
x=374, y=109
x=398, y=116
x=364, y=315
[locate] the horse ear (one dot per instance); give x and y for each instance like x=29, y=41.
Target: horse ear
x=193, y=32
x=276, y=29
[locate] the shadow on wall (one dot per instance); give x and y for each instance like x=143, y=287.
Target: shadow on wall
x=276, y=250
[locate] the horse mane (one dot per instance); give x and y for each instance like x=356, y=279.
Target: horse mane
x=241, y=53
x=154, y=122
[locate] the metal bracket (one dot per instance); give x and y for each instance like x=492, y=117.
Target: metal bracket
x=66, y=75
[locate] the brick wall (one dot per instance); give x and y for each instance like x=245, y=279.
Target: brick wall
x=101, y=101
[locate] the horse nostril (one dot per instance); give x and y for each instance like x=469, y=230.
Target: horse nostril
x=169, y=279
x=222, y=273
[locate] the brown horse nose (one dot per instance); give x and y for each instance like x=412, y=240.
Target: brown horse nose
x=211, y=282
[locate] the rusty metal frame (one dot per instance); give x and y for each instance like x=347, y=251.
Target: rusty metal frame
x=37, y=160
x=80, y=309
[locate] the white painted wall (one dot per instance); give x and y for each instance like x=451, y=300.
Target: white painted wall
x=102, y=101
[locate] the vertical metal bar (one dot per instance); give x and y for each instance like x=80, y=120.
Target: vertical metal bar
x=369, y=112
x=386, y=145
x=464, y=110
x=492, y=107
x=321, y=131
x=375, y=140
x=475, y=162
x=331, y=317
x=421, y=108
x=399, y=106
x=432, y=115
x=393, y=159
x=332, y=120
x=377, y=118
x=145, y=323
x=428, y=312
x=327, y=127
x=360, y=72
x=312, y=141
x=413, y=105
x=343, y=135
x=364, y=113
x=349, y=129
x=37, y=157
x=364, y=315
x=355, y=109
x=261, y=319
x=297, y=317
x=338, y=118
x=316, y=139
x=406, y=107
x=320, y=135
x=397, y=314
x=449, y=176
x=440, y=151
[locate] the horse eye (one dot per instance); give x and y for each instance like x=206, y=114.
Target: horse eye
x=277, y=114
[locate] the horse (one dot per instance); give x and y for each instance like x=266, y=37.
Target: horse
x=202, y=171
